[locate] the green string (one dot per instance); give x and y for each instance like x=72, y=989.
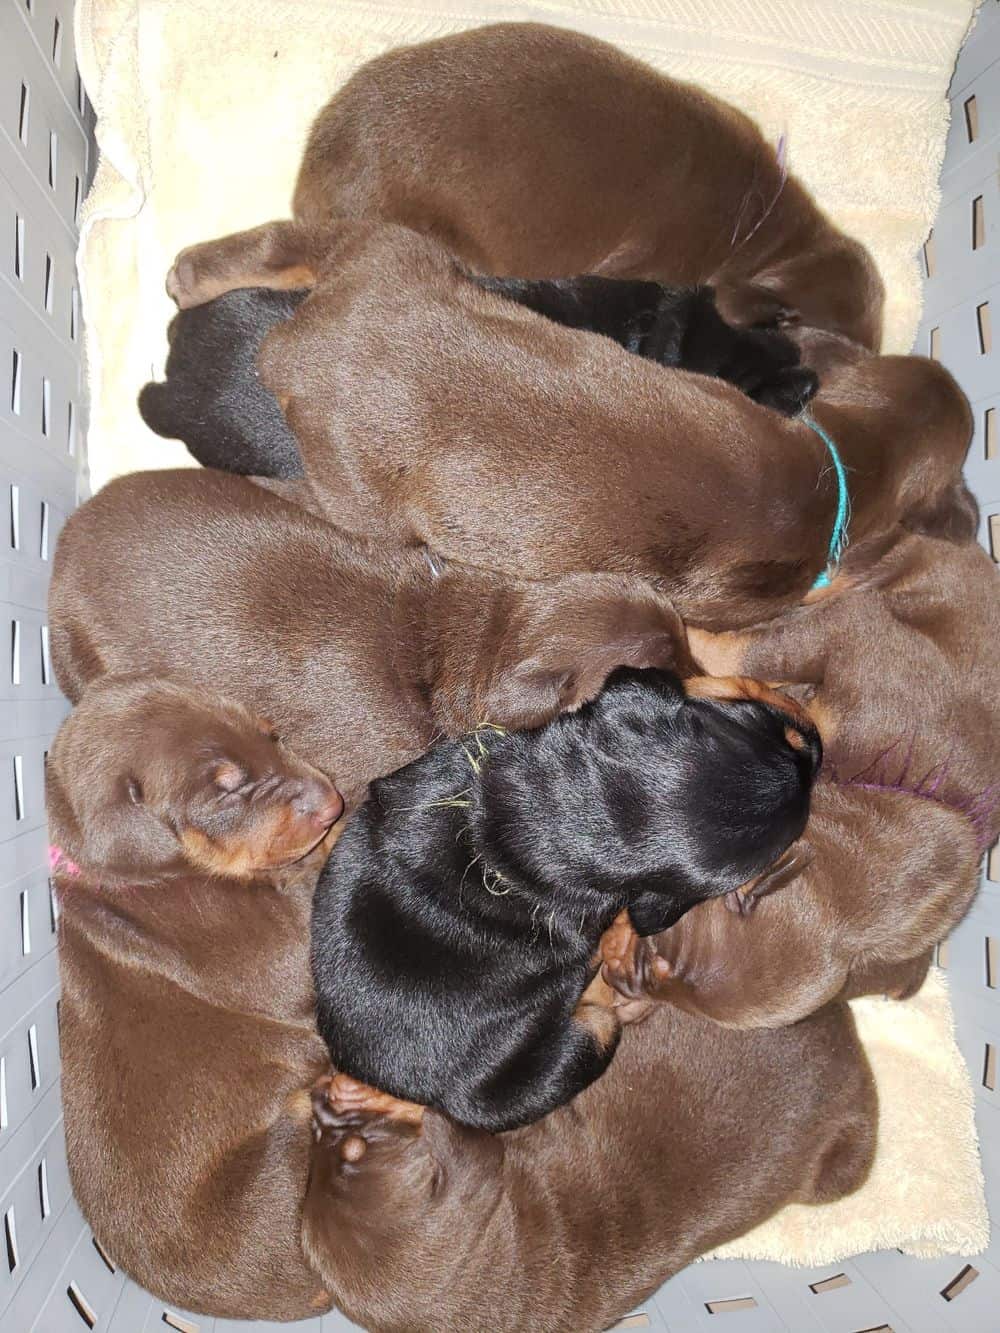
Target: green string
x=838, y=538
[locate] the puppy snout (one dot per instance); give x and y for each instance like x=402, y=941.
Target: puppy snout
x=319, y=802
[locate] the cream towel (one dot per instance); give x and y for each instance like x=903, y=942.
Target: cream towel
x=203, y=107
x=925, y=1192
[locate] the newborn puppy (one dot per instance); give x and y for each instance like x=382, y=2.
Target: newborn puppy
x=186, y=1019
x=567, y=1225
x=203, y=786
x=456, y=924
x=362, y=656
x=481, y=450
x=897, y=673
x=538, y=151
x=213, y=401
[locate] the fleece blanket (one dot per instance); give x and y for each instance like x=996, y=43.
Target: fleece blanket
x=203, y=106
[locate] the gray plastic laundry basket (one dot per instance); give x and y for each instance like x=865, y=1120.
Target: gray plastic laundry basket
x=53, y=1277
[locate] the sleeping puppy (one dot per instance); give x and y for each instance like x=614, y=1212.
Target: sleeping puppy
x=456, y=924
x=208, y=787
x=211, y=398
x=537, y=151
x=482, y=449
x=898, y=675
x=186, y=1019
x=189, y=1048
x=418, y=1225
x=363, y=657
x=213, y=401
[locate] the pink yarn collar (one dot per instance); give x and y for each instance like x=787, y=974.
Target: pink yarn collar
x=59, y=861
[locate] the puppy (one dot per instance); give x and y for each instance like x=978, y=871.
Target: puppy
x=362, y=657
x=214, y=402
x=567, y=1225
x=537, y=151
x=897, y=673
x=481, y=449
x=456, y=923
x=189, y=1045
x=186, y=1019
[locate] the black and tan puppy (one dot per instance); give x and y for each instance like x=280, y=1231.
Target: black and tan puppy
x=456, y=924
x=186, y=845
x=213, y=401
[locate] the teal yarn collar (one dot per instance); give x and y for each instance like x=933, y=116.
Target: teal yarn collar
x=838, y=538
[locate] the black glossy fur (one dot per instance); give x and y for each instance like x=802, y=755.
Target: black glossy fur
x=674, y=326
x=213, y=402
x=211, y=398
x=456, y=923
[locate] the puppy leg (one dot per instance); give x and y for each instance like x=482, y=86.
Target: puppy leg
x=281, y=255
x=345, y=1096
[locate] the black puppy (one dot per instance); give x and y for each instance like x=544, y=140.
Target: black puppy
x=456, y=923
x=213, y=401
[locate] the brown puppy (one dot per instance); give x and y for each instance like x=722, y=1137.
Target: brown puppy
x=534, y=151
x=186, y=1019
x=189, y=1049
x=430, y=411
x=898, y=677
x=362, y=660
x=567, y=1225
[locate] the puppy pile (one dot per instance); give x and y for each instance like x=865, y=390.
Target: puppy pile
x=563, y=688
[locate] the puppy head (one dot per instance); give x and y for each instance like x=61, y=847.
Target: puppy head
x=877, y=879
x=537, y=649
x=834, y=286
x=920, y=425
x=649, y=797
x=145, y=780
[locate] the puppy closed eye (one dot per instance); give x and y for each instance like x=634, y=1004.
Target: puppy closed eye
x=134, y=790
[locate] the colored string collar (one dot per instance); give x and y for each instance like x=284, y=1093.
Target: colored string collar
x=838, y=538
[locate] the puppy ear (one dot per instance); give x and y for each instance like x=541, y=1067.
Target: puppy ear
x=277, y=363
x=745, y=304
x=564, y=639
x=952, y=514
x=108, y=835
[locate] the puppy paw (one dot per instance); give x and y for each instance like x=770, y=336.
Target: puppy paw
x=190, y=283
x=637, y=973
x=348, y=1116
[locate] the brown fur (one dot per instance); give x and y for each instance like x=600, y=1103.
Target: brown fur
x=898, y=678
x=429, y=411
x=186, y=1019
x=360, y=658
x=148, y=780
x=191, y=1162
x=533, y=151
x=566, y=1226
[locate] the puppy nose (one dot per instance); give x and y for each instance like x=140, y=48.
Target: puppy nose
x=319, y=802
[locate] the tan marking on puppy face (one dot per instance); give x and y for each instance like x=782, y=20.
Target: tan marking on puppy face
x=599, y=1017
x=262, y=841
x=746, y=687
